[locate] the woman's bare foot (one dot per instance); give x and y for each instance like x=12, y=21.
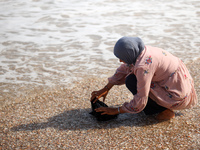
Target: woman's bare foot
x=165, y=115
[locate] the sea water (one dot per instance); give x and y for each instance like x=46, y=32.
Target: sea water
x=53, y=42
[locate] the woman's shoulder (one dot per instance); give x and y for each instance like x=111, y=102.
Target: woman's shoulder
x=144, y=58
x=150, y=57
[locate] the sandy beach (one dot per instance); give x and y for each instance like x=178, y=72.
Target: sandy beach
x=60, y=119
x=53, y=54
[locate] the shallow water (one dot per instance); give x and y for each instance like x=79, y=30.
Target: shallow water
x=52, y=42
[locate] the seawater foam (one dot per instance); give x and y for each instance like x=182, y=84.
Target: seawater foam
x=53, y=41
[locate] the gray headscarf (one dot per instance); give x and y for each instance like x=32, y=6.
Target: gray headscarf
x=128, y=49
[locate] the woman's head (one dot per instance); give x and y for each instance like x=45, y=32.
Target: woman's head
x=128, y=49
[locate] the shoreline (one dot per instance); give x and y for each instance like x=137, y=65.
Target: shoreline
x=59, y=119
x=12, y=93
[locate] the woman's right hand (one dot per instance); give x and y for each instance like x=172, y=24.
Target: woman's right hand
x=98, y=94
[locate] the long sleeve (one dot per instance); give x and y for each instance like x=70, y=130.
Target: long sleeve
x=120, y=75
x=139, y=101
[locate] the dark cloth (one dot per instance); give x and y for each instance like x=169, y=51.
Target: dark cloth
x=152, y=107
x=98, y=115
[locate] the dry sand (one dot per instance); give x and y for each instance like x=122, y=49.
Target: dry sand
x=59, y=119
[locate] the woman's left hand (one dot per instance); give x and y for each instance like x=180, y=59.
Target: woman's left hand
x=107, y=110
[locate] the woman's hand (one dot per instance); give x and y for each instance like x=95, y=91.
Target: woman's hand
x=107, y=110
x=101, y=93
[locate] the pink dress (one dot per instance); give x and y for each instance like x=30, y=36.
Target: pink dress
x=161, y=76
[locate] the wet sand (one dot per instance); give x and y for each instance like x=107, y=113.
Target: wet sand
x=59, y=119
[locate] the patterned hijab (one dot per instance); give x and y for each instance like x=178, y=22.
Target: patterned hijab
x=128, y=49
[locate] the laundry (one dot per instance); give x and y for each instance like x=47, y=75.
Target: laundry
x=98, y=115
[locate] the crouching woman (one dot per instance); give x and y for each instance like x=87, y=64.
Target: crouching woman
x=159, y=81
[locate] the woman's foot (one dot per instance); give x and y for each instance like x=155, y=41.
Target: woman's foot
x=165, y=115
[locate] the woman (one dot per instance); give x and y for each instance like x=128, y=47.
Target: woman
x=159, y=81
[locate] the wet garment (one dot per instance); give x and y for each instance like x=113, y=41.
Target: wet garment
x=162, y=77
x=98, y=115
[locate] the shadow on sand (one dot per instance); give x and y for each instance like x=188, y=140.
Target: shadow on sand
x=80, y=119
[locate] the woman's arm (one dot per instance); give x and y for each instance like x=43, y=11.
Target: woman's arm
x=110, y=110
x=120, y=75
x=117, y=79
x=144, y=76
